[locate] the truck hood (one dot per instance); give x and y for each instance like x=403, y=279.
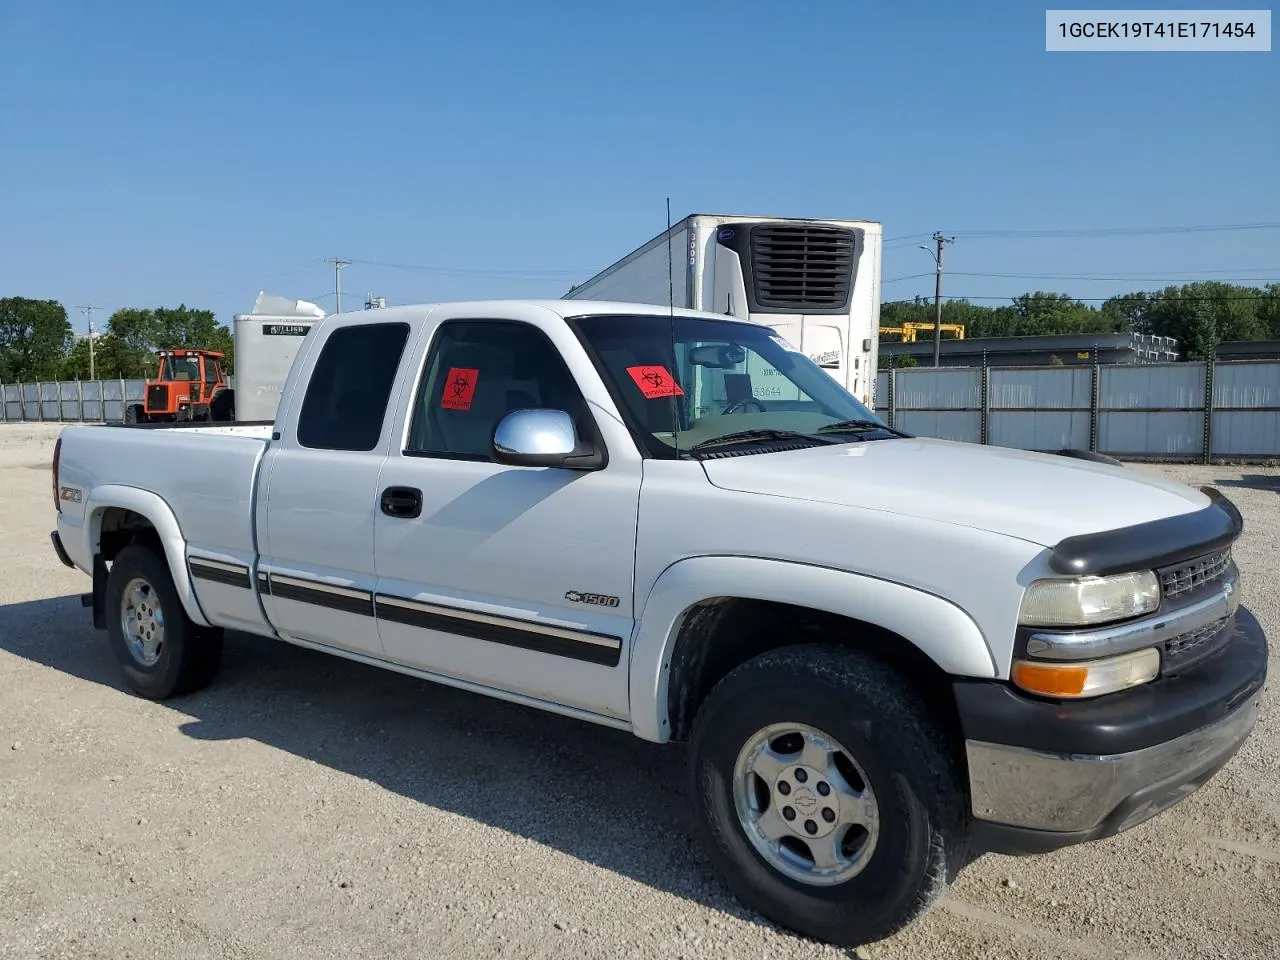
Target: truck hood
x=1041, y=498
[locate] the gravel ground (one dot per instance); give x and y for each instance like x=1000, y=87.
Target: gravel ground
x=307, y=806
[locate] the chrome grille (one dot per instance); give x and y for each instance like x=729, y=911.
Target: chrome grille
x=1189, y=641
x=1180, y=580
x=1188, y=649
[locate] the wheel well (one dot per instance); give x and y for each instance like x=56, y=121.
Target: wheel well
x=120, y=527
x=719, y=634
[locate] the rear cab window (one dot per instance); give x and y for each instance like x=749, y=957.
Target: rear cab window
x=350, y=385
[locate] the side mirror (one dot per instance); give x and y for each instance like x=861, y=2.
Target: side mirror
x=542, y=438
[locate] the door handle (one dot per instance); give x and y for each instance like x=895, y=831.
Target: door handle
x=402, y=502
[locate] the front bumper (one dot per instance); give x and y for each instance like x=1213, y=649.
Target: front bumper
x=1045, y=774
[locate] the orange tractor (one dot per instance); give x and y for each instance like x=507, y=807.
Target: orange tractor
x=189, y=385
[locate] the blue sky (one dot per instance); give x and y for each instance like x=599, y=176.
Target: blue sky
x=155, y=153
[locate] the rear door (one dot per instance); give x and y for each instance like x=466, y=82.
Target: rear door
x=320, y=484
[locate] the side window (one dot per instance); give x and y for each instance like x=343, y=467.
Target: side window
x=477, y=372
x=350, y=384
x=210, y=370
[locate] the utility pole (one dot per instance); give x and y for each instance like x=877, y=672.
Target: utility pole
x=939, y=240
x=88, y=312
x=337, y=282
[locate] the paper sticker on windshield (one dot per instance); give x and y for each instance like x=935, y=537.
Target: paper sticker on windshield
x=655, y=382
x=459, y=389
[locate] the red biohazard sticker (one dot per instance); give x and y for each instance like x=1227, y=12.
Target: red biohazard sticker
x=655, y=382
x=459, y=389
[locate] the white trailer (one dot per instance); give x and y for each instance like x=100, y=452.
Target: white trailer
x=817, y=282
x=267, y=339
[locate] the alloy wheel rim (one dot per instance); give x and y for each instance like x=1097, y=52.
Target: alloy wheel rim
x=805, y=804
x=142, y=622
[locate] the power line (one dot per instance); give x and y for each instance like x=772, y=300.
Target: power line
x=1153, y=297
x=1117, y=231
x=1053, y=232
x=1112, y=278
x=462, y=271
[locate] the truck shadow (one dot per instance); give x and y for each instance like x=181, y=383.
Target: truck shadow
x=1253, y=481
x=597, y=794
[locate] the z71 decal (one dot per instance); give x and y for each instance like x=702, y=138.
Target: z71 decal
x=596, y=599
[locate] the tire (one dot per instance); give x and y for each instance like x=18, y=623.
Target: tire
x=223, y=406
x=909, y=851
x=185, y=658
x=133, y=413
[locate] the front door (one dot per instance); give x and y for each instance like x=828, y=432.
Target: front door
x=517, y=578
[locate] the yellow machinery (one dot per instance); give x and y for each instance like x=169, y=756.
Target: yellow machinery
x=909, y=330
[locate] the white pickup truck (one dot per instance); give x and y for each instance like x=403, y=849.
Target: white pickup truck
x=887, y=654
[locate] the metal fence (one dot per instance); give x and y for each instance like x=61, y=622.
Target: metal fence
x=88, y=401
x=69, y=400
x=1152, y=411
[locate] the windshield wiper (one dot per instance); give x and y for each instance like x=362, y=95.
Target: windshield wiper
x=746, y=436
x=859, y=426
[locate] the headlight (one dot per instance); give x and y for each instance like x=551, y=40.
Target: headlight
x=1089, y=600
x=1087, y=678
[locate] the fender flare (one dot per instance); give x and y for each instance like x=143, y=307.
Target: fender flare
x=155, y=509
x=937, y=627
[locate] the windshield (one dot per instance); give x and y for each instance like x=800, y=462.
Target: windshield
x=180, y=368
x=691, y=380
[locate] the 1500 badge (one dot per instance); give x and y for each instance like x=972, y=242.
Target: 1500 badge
x=597, y=599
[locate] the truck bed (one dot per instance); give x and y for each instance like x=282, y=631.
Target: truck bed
x=203, y=475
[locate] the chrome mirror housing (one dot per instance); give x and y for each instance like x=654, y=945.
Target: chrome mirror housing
x=542, y=438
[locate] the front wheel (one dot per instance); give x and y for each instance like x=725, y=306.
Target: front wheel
x=161, y=651
x=827, y=798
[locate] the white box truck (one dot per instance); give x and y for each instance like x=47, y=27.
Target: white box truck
x=267, y=339
x=817, y=282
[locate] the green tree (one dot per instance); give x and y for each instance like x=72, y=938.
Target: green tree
x=1185, y=312
x=34, y=337
x=141, y=332
x=1129, y=311
x=1269, y=310
x=1043, y=313
x=134, y=331
x=1200, y=333
x=112, y=358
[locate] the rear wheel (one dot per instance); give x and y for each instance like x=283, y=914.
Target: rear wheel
x=223, y=406
x=160, y=650
x=827, y=798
